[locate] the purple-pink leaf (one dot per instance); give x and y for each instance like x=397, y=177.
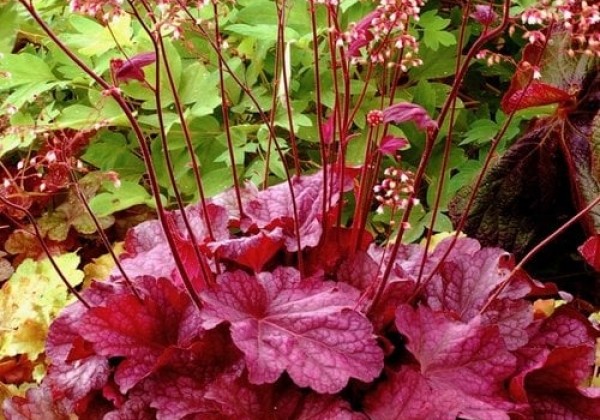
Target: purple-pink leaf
x=37, y=404
x=306, y=327
x=148, y=252
x=405, y=111
x=131, y=69
x=330, y=407
x=273, y=208
x=404, y=395
x=239, y=399
x=465, y=284
x=391, y=144
x=464, y=363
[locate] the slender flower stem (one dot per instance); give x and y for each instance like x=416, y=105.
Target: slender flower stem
x=317, y=78
x=447, y=145
x=103, y=237
x=115, y=94
x=430, y=142
x=225, y=111
x=160, y=56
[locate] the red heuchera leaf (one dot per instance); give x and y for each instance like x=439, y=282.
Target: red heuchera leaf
x=140, y=331
x=553, y=387
x=273, y=208
x=536, y=94
x=525, y=91
x=147, y=250
x=404, y=395
x=253, y=251
x=590, y=250
x=465, y=364
x=330, y=407
x=74, y=371
x=179, y=387
x=406, y=111
x=239, y=399
x=565, y=328
x=36, y=405
x=131, y=69
x=512, y=318
x=306, y=327
x=334, y=250
x=465, y=284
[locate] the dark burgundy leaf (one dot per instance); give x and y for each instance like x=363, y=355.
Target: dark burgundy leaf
x=306, y=327
x=523, y=198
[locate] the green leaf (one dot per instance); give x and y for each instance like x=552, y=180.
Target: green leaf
x=433, y=30
x=105, y=113
x=30, y=300
x=93, y=39
x=425, y=95
x=436, y=64
x=114, y=199
x=261, y=31
x=9, y=24
x=481, y=132
x=24, y=69
x=20, y=134
x=110, y=151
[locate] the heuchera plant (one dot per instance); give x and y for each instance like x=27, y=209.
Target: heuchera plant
x=278, y=301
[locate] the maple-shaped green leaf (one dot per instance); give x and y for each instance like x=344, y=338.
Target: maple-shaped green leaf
x=93, y=39
x=434, y=31
x=30, y=300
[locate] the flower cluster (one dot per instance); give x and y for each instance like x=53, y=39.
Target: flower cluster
x=105, y=10
x=394, y=189
x=384, y=31
x=33, y=179
x=580, y=19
